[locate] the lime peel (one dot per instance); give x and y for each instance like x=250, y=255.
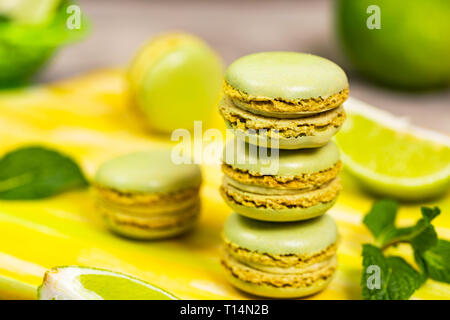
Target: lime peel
x=83, y=283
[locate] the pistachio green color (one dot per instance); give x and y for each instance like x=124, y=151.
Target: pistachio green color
x=281, y=215
x=302, y=238
x=318, y=139
x=181, y=83
x=257, y=160
x=149, y=171
x=264, y=290
x=135, y=230
x=286, y=75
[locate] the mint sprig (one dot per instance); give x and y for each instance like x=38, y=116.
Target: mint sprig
x=436, y=261
x=397, y=279
x=391, y=277
x=37, y=172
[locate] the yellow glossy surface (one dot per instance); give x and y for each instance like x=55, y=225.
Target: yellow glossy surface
x=87, y=118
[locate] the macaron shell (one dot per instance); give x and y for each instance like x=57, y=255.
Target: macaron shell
x=165, y=207
x=277, y=108
x=304, y=76
x=273, y=292
x=147, y=234
x=303, y=238
x=273, y=184
x=148, y=172
x=290, y=162
x=177, y=72
x=317, y=140
x=281, y=215
x=136, y=228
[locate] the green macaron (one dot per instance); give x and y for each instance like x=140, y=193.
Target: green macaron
x=145, y=195
x=175, y=79
x=291, y=185
x=283, y=260
x=292, y=100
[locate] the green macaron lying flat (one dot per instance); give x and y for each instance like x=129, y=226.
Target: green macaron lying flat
x=145, y=195
x=283, y=260
x=293, y=185
x=292, y=100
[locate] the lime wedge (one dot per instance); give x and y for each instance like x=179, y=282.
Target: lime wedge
x=81, y=283
x=392, y=158
x=29, y=11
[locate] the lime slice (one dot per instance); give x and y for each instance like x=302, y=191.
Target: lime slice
x=81, y=283
x=392, y=158
x=29, y=11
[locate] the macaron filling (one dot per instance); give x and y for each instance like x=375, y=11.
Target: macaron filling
x=305, y=277
x=152, y=228
x=239, y=119
x=284, y=108
x=148, y=216
x=278, y=260
x=299, y=181
x=154, y=222
x=144, y=198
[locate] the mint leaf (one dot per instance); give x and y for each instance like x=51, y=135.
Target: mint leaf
x=436, y=261
x=430, y=213
x=381, y=217
x=36, y=172
x=392, y=277
x=422, y=235
x=425, y=240
x=387, y=278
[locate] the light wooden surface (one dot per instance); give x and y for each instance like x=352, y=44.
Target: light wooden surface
x=234, y=28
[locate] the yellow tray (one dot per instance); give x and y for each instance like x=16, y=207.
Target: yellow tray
x=87, y=118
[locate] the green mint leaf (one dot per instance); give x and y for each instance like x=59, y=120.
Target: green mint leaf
x=422, y=235
x=381, y=217
x=425, y=240
x=436, y=261
x=430, y=213
x=36, y=172
x=387, y=278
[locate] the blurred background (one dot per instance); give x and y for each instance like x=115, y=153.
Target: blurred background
x=235, y=28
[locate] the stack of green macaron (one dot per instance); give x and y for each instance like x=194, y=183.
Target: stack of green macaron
x=145, y=195
x=281, y=172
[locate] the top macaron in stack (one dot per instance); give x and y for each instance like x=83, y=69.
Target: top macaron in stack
x=288, y=105
x=289, y=98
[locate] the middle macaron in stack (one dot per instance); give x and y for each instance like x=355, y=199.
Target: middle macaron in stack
x=281, y=171
x=302, y=185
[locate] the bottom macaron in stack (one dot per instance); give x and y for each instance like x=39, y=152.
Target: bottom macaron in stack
x=145, y=195
x=279, y=260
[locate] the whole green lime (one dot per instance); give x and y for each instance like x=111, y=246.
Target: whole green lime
x=175, y=79
x=411, y=47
